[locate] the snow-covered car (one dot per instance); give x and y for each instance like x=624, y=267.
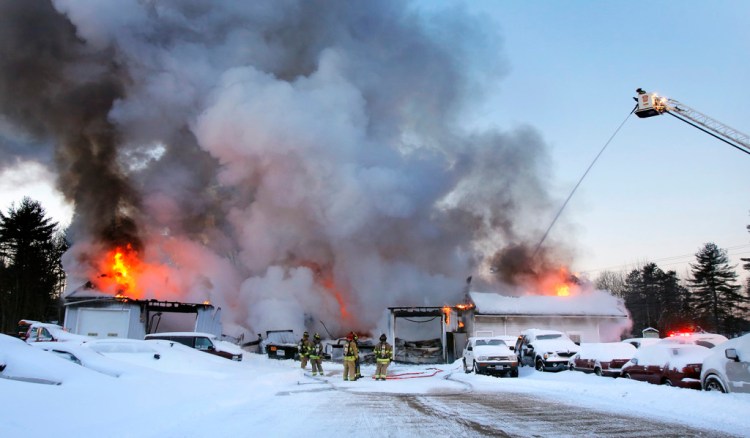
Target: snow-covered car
x=708, y=340
x=603, y=359
x=727, y=368
x=671, y=364
x=509, y=340
x=545, y=350
x=46, y=332
x=489, y=355
x=201, y=341
x=641, y=342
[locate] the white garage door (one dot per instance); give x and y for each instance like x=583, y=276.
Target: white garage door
x=104, y=323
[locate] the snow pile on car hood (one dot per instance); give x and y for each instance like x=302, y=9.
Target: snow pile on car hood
x=555, y=345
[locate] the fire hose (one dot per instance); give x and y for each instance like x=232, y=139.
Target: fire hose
x=413, y=375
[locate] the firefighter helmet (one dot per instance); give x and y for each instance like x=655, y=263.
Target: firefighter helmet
x=382, y=337
x=316, y=336
x=350, y=336
x=305, y=335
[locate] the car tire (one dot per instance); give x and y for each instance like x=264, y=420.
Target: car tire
x=627, y=376
x=667, y=382
x=474, y=367
x=713, y=384
x=466, y=369
x=539, y=365
x=598, y=371
x=514, y=372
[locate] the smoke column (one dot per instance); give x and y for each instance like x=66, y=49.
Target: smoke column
x=291, y=161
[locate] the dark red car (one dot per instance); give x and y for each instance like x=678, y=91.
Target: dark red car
x=603, y=359
x=668, y=364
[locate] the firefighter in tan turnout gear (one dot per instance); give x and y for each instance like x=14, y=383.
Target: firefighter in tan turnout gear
x=383, y=357
x=316, y=356
x=351, y=352
x=304, y=347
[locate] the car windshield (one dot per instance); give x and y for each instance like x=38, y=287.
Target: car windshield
x=552, y=336
x=495, y=342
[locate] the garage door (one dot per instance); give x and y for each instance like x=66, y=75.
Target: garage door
x=104, y=323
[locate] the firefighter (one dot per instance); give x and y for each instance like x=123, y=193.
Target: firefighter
x=357, y=374
x=383, y=356
x=304, y=349
x=351, y=352
x=316, y=356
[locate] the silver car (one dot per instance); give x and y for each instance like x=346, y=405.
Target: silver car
x=727, y=369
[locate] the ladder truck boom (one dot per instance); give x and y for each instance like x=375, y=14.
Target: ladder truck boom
x=651, y=104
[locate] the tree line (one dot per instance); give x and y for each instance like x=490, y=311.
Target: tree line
x=32, y=281
x=31, y=275
x=710, y=299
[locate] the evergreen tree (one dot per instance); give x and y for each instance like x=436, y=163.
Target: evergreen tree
x=715, y=294
x=31, y=275
x=656, y=299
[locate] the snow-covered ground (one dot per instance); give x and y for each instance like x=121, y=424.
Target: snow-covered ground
x=186, y=393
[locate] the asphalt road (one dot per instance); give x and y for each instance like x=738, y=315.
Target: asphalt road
x=470, y=413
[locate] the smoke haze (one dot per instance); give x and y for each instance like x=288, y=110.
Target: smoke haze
x=291, y=161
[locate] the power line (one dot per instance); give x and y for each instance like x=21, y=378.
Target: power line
x=688, y=258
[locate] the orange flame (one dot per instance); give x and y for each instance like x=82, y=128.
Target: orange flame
x=120, y=270
x=447, y=311
x=563, y=290
x=559, y=283
x=326, y=280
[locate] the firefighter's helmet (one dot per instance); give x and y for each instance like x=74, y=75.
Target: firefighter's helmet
x=350, y=336
x=383, y=338
x=316, y=336
x=305, y=335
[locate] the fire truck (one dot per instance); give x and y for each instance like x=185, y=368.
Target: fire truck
x=651, y=104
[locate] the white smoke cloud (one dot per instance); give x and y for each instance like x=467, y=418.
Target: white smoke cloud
x=296, y=157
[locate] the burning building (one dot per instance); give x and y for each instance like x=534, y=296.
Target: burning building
x=594, y=316
x=287, y=162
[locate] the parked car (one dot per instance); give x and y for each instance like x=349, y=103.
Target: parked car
x=510, y=341
x=727, y=368
x=490, y=355
x=708, y=340
x=201, y=341
x=671, y=364
x=603, y=359
x=641, y=342
x=546, y=350
x=46, y=332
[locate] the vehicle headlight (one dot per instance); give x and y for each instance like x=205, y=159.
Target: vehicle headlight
x=546, y=355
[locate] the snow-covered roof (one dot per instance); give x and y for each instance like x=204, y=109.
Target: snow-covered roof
x=593, y=303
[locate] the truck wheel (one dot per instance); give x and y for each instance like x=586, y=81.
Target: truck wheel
x=466, y=369
x=474, y=367
x=539, y=365
x=514, y=372
x=598, y=371
x=712, y=384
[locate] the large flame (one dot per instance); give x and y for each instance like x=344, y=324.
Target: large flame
x=559, y=283
x=120, y=270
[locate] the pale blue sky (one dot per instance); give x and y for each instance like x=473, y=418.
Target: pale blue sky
x=662, y=188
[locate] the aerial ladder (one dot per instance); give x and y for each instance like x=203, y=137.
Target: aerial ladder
x=651, y=104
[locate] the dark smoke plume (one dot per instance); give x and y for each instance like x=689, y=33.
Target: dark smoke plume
x=57, y=89
x=291, y=161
